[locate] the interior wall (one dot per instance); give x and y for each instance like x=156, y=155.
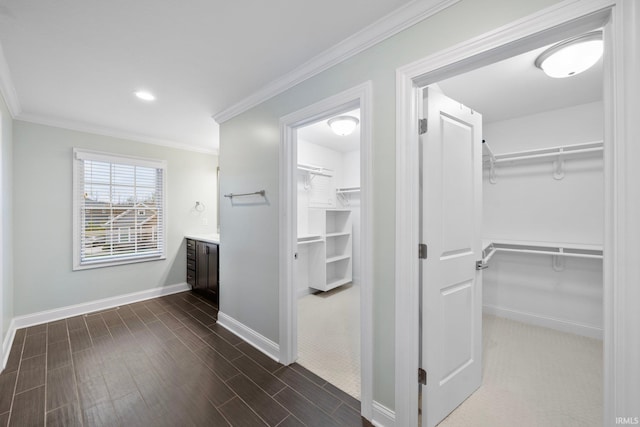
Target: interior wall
x=6, y=267
x=528, y=204
x=249, y=147
x=42, y=159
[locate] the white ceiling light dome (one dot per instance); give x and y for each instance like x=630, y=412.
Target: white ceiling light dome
x=571, y=57
x=343, y=125
x=144, y=95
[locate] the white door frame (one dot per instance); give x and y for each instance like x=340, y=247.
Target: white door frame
x=2, y=237
x=357, y=97
x=621, y=19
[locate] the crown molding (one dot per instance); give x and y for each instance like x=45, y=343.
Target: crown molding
x=6, y=87
x=388, y=26
x=114, y=133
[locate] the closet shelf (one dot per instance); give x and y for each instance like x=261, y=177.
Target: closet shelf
x=302, y=240
x=315, y=170
x=338, y=258
x=558, y=154
x=347, y=190
x=490, y=247
x=342, y=233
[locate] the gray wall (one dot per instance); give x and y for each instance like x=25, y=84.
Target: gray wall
x=6, y=155
x=42, y=188
x=249, y=161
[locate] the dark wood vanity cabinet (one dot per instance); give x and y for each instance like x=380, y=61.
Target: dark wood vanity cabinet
x=202, y=268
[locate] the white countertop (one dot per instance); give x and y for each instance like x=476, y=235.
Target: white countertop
x=209, y=238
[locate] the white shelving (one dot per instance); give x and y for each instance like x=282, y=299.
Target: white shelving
x=491, y=246
x=330, y=255
x=556, y=154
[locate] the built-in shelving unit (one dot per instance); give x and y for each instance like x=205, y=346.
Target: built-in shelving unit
x=330, y=248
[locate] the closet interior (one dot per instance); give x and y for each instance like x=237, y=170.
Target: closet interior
x=543, y=218
x=328, y=230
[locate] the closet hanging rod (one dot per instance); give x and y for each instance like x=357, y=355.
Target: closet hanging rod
x=348, y=190
x=564, y=150
x=509, y=158
x=543, y=252
x=315, y=170
x=544, y=248
x=255, y=193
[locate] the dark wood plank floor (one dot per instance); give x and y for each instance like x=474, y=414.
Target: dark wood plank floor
x=161, y=362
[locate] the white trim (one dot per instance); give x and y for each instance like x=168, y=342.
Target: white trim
x=2, y=234
x=386, y=27
x=6, y=344
x=545, y=321
x=621, y=396
x=110, y=132
x=622, y=210
x=383, y=416
x=252, y=337
x=359, y=96
x=7, y=88
x=80, y=155
x=97, y=305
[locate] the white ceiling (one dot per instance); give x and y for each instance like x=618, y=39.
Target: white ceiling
x=77, y=62
x=515, y=87
x=321, y=134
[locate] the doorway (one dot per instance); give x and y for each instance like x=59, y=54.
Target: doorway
x=328, y=231
x=317, y=239
x=540, y=308
x=546, y=27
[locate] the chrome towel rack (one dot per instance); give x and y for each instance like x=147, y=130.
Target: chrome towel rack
x=255, y=193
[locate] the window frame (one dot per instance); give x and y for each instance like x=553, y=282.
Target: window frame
x=79, y=155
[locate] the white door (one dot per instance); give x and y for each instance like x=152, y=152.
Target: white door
x=451, y=180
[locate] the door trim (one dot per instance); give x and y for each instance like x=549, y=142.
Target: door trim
x=356, y=97
x=621, y=19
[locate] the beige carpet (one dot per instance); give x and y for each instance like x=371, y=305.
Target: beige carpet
x=329, y=336
x=534, y=377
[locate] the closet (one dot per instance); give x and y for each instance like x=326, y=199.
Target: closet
x=328, y=232
x=543, y=219
x=328, y=216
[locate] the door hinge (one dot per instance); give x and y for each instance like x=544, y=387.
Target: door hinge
x=481, y=265
x=422, y=126
x=422, y=376
x=422, y=251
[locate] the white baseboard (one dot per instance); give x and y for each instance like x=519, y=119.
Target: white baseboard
x=91, y=306
x=252, y=337
x=7, y=343
x=19, y=322
x=545, y=321
x=383, y=416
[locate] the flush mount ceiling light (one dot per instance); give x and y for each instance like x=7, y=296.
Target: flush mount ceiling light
x=343, y=125
x=572, y=56
x=144, y=95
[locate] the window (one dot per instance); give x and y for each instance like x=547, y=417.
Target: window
x=118, y=212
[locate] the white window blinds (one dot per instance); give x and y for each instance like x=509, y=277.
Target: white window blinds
x=119, y=209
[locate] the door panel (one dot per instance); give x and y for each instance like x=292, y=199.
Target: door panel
x=451, y=170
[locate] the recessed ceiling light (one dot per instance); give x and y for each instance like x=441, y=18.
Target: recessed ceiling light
x=343, y=125
x=144, y=95
x=572, y=56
